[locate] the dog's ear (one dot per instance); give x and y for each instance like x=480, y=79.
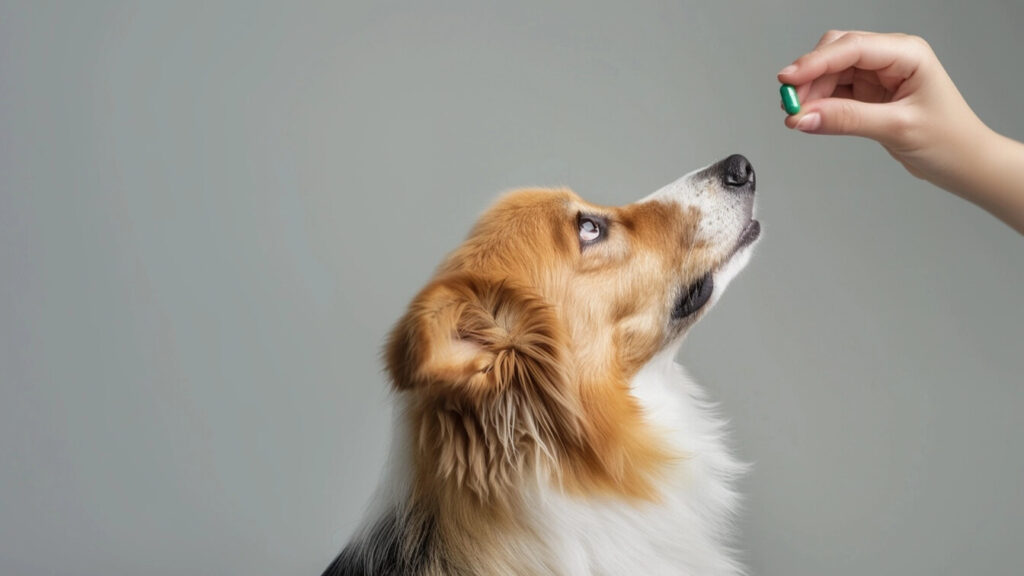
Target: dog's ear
x=477, y=336
x=484, y=364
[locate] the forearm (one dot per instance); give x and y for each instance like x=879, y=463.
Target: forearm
x=991, y=175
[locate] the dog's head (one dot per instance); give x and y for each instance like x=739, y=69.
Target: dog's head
x=520, y=351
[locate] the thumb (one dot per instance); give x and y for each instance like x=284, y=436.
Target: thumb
x=848, y=117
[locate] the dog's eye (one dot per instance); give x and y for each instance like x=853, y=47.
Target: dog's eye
x=590, y=229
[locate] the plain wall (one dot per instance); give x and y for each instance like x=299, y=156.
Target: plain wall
x=212, y=213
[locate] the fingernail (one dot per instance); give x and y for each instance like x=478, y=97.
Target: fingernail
x=809, y=123
x=788, y=69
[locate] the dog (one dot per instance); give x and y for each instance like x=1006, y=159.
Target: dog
x=542, y=423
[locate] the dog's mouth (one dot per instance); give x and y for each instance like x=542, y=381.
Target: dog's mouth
x=694, y=297
x=698, y=294
x=750, y=233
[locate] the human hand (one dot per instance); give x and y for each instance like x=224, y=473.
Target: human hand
x=893, y=89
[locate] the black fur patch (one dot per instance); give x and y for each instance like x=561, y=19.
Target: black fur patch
x=399, y=544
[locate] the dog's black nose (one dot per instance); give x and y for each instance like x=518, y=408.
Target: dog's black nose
x=737, y=173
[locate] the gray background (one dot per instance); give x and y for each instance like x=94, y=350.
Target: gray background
x=210, y=215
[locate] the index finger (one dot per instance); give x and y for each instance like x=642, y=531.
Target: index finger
x=899, y=54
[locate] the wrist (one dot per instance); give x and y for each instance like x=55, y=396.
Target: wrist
x=962, y=164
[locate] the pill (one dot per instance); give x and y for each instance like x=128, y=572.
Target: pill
x=789, y=100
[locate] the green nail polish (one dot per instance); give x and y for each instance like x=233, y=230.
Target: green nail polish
x=789, y=100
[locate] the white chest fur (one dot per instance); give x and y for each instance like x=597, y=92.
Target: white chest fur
x=688, y=531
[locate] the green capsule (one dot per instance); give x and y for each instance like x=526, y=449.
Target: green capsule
x=789, y=100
